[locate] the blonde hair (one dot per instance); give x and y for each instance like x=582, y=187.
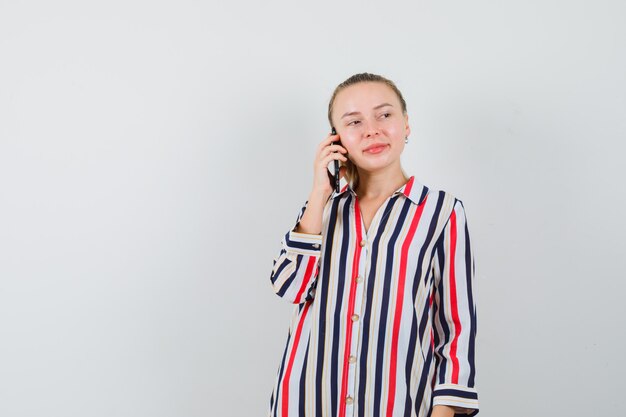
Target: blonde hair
x=352, y=174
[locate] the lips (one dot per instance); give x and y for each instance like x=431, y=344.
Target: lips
x=375, y=148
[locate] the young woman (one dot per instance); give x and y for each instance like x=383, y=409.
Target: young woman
x=382, y=276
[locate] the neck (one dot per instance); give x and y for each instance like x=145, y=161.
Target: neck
x=379, y=184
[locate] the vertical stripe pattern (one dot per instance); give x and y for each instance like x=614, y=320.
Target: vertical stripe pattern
x=384, y=321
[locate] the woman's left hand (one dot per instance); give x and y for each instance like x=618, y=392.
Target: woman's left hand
x=442, y=411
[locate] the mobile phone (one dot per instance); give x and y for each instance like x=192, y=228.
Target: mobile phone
x=336, y=164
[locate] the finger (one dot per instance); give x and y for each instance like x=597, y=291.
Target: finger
x=337, y=148
x=333, y=156
x=329, y=152
x=332, y=149
x=326, y=141
x=330, y=138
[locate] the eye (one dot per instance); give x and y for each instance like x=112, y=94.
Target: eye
x=352, y=123
x=386, y=115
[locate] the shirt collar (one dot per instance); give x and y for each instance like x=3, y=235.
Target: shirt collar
x=412, y=189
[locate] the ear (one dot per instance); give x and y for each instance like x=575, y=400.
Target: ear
x=407, y=128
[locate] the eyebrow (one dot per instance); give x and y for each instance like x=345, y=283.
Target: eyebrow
x=375, y=108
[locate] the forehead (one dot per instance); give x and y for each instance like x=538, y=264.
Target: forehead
x=363, y=96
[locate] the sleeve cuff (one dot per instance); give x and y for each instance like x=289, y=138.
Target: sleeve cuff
x=463, y=399
x=303, y=243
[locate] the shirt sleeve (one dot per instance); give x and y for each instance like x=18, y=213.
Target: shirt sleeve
x=455, y=317
x=295, y=269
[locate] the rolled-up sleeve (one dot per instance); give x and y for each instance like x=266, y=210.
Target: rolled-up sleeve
x=295, y=269
x=455, y=317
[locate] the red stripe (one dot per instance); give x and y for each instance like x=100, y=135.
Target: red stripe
x=453, y=301
x=355, y=272
x=398, y=311
x=307, y=277
x=294, y=349
x=409, y=185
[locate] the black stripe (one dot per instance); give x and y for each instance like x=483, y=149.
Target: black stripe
x=424, y=192
x=429, y=278
x=469, y=273
x=322, y=298
x=409, y=365
x=302, y=210
x=282, y=266
x=456, y=393
x=337, y=316
x=439, y=310
x=299, y=245
x=288, y=281
x=421, y=389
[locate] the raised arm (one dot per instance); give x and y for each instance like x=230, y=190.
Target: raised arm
x=295, y=269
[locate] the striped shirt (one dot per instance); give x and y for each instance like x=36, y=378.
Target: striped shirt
x=385, y=318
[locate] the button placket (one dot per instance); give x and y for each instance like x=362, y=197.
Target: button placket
x=353, y=320
x=356, y=327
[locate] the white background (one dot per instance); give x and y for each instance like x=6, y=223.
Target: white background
x=153, y=154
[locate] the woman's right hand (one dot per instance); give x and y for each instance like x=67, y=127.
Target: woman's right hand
x=323, y=181
x=323, y=185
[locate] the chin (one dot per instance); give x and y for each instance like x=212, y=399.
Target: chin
x=373, y=167
x=378, y=164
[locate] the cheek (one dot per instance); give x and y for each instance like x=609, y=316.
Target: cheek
x=396, y=129
x=349, y=143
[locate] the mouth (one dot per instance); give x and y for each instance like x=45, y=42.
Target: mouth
x=375, y=148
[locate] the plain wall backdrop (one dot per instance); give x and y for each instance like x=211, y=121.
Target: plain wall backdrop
x=154, y=153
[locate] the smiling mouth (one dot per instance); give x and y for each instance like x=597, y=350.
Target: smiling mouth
x=375, y=150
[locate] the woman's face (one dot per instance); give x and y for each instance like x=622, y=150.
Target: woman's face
x=371, y=126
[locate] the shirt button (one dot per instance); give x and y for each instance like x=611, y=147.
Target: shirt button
x=352, y=359
x=349, y=400
x=363, y=243
x=355, y=317
x=316, y=245
x=359, y=279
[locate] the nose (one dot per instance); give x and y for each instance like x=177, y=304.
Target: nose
x=371, y=129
